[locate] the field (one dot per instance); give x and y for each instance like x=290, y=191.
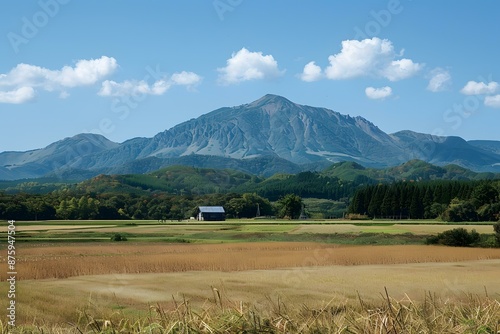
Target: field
x=273, y=270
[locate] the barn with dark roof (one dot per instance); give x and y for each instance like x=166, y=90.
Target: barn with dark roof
x=211, y=213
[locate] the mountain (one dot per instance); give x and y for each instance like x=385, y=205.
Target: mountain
x=260, y=137
x=487, y=145
x=413, y=170
x=274, y=125
x=448, y=150
x=58, y=157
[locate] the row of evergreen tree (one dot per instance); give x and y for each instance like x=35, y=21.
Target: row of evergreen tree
x=449, y=200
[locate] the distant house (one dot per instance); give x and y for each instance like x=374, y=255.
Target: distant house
x=211, y=213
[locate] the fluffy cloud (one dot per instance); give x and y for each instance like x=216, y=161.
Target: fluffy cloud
x=479, y=88
x=23, y=80
x=17, y=96
x=492, y=101
x=311, y=72
x=370, y=57
x=129, y=87
x=440, y=79
x=86, y=72
x=378, y=93
x=159, y=87
x=245, y=65
x=185, y=78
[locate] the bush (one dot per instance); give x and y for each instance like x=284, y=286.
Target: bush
x=118, y=237
x=458, y=237
x=496, y=228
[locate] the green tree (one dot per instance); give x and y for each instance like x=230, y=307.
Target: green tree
x=376, y=201
x=235, y=207
x=290, y=206
x=436, y=210
x=483, y=194
x=496, y=228
x=73, y=208
x=488, y=212
x=427, y=203
x=416, y=205
x=459, y=211
x=63, y=210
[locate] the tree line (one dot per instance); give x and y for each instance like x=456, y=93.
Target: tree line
x=449, y=200
x=159, y=206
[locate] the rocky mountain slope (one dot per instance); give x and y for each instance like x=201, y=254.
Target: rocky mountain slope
x=259, y=137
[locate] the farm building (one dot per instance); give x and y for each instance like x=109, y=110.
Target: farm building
x=211, y=213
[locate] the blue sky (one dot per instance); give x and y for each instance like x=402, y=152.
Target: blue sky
x=128, y=69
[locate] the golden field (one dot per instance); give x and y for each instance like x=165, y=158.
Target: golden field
x=291, y=287
x=150, y=272
x=41, y=261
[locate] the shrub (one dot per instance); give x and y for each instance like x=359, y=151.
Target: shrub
x=496, y=228
x=458, y=237
x=118, y=237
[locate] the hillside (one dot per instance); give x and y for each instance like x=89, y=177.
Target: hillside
x=339, y=180
x=413, y=170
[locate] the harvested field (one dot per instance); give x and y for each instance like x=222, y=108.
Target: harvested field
x=57, y=283
x=43, y=261
x=420, y=229
x=295, y=290
x=52, y=227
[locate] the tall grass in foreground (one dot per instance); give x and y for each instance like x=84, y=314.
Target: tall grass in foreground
x=471, y=314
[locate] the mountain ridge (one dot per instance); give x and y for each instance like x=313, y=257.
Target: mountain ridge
x=271, y=126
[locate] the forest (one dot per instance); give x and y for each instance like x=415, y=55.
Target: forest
x=162, y=206
x=414, y=190
x=452, y=201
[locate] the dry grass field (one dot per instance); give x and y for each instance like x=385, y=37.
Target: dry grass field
x=130, y=295
x=342, y=278
x=419, y=229
x=282, y=287
x=41, y=261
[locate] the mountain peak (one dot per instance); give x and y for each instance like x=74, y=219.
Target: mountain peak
x=271, y=99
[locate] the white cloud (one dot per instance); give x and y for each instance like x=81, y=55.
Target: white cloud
x=311, y=72
x=378, y=93
x=159, y=87
x=186, y=78
x=245, y=65
x=130, y=87
x=492, y=101
x=440, y=80
x=370, y=57
x=84, y=73
x=17, y=96
x=479, y=88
